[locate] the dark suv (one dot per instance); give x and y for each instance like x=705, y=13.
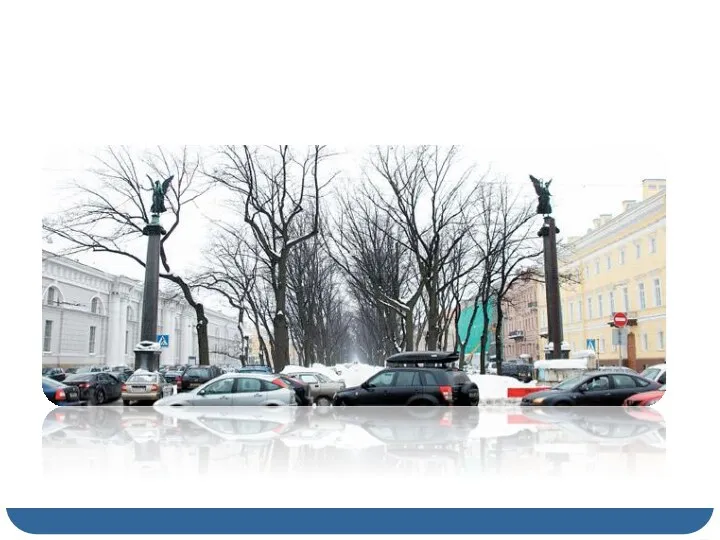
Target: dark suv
x=414, y=378
x=194, y=376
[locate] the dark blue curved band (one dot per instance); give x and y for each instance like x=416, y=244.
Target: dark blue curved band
x=359, y=520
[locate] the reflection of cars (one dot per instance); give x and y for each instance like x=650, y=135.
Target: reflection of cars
x=236, y=389
x=592, y=388
x=414, y=378
x=321, y=388
x=143, y=386
x=97, y=388
x=655, y=373
x=59, y=393
x=55, y=373
x=645, y=399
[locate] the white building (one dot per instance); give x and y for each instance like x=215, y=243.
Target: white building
x=93, y=317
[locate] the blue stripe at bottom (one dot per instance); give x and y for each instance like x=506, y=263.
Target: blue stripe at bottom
x=359, y=520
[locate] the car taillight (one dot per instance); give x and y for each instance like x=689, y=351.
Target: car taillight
x=124, y=388
x=84, y=385
x=280, y=383
x=59, y=394
x=446, y=391
x=154, y=388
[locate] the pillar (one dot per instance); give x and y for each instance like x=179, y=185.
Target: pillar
x=115, y=341
x=147, y=358
x=169, y=355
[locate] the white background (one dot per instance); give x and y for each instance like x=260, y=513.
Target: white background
x=494, y=74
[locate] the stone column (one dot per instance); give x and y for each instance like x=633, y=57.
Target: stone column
x=149, y=359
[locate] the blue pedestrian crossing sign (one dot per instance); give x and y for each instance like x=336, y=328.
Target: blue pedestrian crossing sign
x=164, y=340
x=590, y=345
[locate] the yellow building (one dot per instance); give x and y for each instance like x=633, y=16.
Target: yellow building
x=618, y=266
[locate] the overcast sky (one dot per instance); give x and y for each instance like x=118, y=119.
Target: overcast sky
x=587, y=182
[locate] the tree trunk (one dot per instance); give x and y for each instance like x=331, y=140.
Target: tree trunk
x=484, y=336
x=202, y=332
x=431, y=341
x=409, y=330
x=281, y=355
x=498, y=339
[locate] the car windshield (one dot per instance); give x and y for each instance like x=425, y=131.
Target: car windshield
x=650, y=373
x=46, y=370
x=81, y=377
x=85, y=370
x=198, y=372
x=567, y=384
x=52, y=383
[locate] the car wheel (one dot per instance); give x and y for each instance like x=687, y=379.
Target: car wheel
x=126, y=402
x=100, y=397
x=323, y=401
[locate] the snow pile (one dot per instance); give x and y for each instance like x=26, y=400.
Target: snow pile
x=356, y=374
x=316, y=368
x=494, y=387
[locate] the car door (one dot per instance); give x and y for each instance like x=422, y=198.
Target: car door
x=313, y=382
x=248, y=391
x=624, y=386
x=328, y=387
x=405, y=386
x=376, y=390
x=595, y=391
x=217, y=393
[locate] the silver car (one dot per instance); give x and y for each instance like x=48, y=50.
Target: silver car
x=236, y=389
x=322, y=388
x=145, y=386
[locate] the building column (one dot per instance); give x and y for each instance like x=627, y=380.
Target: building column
x=115, y=347
x=168, y=354
x=125, y=359
x=186, y=337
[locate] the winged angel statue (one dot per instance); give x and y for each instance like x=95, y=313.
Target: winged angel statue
x=158, y=196
x=543, y=191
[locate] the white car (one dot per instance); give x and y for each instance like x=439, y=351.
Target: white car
x=655, y=373
x=247, y=388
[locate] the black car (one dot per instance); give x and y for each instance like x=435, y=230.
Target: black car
x=602, y=387
x=302, y=389
x=194, y=376
x=97, y=388
x=59, y=393
x=521, y=370
x=55, y=373
x=414, y=378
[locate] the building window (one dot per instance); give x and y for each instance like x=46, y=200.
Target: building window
x=579, y=310
x=658, y=292
x=612, y=302
x=47, y=336
x=653, y=245
x=626, y=299
x=622, y=256
x=644, y=342
x=589, y=311
x=661, y=340
x=91, y=344
x=600, y=306
x=53, y=297
x=602, y=345
x=95, y=305
x=641, y=295
x=597, y=267
x=638, y=250
x=608, y=262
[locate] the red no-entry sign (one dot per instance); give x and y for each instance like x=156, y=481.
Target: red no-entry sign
x=620, y=319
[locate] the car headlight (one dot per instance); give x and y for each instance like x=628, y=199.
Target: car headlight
x=651, y=402
x=538, y=401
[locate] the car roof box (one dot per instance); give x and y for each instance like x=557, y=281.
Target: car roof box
x=423, y=359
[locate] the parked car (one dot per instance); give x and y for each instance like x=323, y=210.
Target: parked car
x=144, y=386
x=236, y=389
x=174, y=377
x=645, y=399
x=592, y=388
x=59, y=393
x=253, y=369
x=414, y=378
x=520, y=369
x=97, y=388
x=195, y=376
x=322, y=389
x=71, y=370
x=88, y=369
x=55, y=373
x=655, y=373
x=122, y=376
x=302, y=389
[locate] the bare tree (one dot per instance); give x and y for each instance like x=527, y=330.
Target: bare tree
x=111, y=214
x=274, y=187
x=428, y=202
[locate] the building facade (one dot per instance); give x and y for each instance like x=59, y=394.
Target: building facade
x=521, y=320
x=619, y=266
x=93, y=317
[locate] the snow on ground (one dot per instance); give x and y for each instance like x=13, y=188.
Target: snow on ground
x=496, y=386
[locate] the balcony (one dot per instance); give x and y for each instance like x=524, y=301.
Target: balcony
x=517, y=334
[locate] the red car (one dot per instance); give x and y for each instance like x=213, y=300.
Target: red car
x=645, y=399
